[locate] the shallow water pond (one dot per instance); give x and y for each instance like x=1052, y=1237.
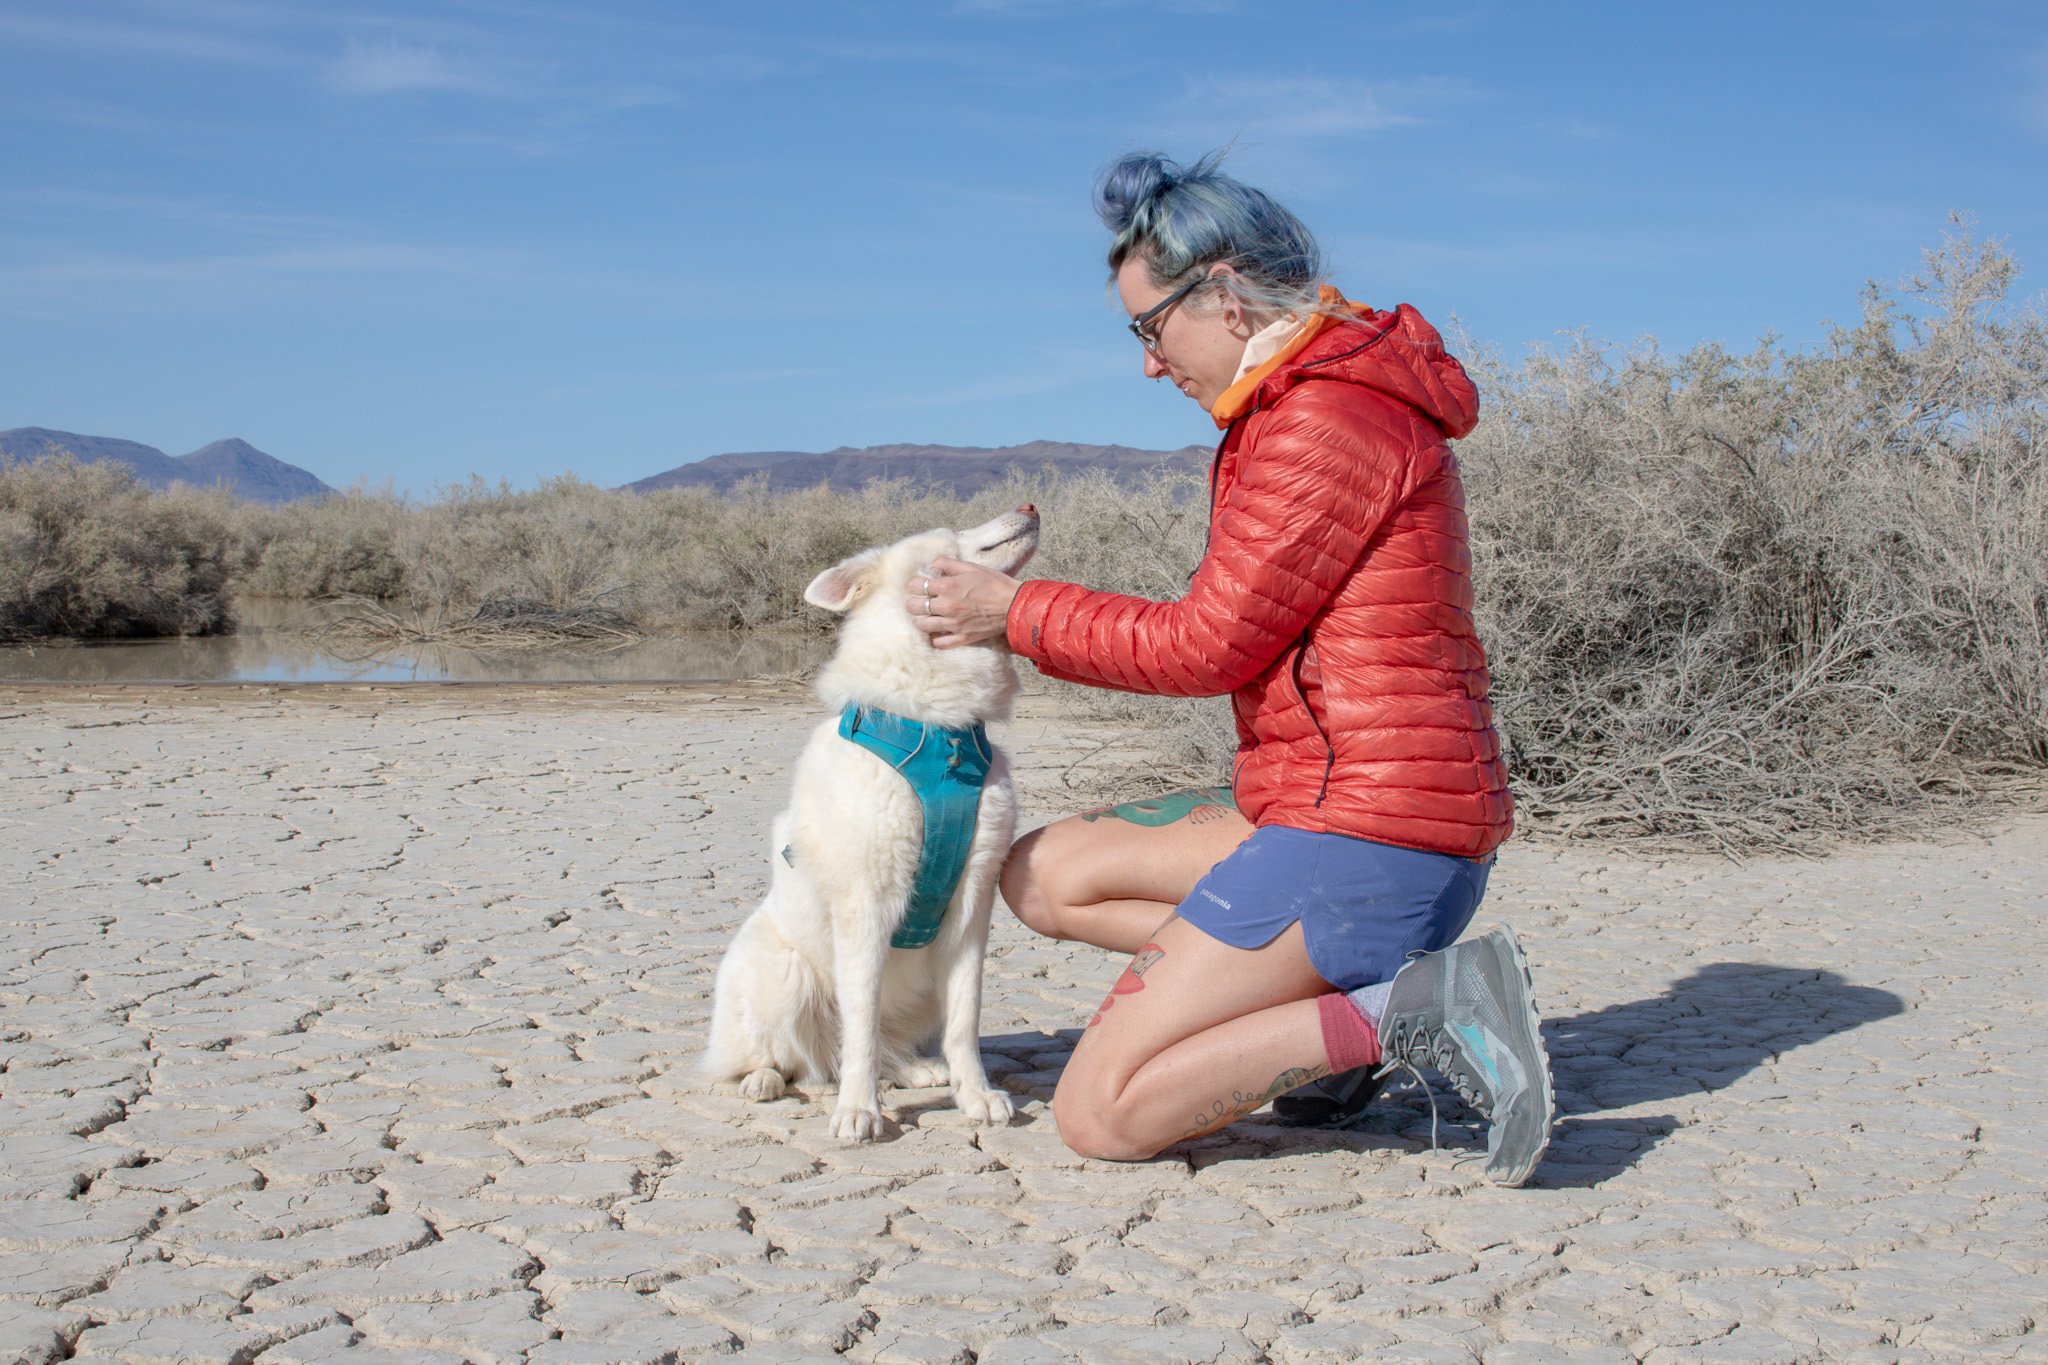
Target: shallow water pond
x=274, y=646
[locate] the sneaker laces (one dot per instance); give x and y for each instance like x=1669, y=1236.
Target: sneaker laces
x=1437, y=1050
x=1446, y=1058
x=1421, y=1083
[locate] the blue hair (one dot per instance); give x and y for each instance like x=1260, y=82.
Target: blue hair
x=1181, y=219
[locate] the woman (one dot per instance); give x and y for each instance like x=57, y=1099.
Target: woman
x=1269, y=934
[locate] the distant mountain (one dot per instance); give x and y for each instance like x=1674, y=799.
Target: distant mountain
x=151, y=465
x=965, y=470
x=962, y=470
x=246, y=471
x=249, y=472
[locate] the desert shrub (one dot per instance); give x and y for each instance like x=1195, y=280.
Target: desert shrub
x=1144, y=541
x=87, y=551
x=343, y=545
x=558, y=545
x=1777, y=598
x=1966, y=410
x=742, y=560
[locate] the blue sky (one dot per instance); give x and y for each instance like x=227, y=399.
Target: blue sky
x=413, y=241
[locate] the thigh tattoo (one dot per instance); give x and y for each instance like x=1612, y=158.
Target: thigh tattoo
x=1133, y=979
x=1196, y=805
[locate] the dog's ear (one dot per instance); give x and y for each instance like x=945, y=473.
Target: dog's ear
x=845, y=583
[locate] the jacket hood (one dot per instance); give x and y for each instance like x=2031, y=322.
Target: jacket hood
x=1393, y=351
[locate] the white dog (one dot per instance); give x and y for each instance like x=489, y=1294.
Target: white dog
x=812, y=988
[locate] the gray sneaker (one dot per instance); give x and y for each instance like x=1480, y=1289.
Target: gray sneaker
x=1467, y=1011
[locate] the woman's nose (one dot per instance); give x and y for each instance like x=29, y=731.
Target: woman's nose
x=1154, y=367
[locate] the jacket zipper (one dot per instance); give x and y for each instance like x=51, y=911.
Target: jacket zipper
x=1301, y=695
x=1215, y=473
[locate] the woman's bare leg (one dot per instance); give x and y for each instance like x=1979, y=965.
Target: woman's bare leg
x=1108, y=877
x=1194, y=1035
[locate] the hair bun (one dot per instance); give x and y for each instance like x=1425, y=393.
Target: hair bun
x=1131, y=185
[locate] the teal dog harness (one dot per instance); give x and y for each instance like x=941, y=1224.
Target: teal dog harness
x=946, y=769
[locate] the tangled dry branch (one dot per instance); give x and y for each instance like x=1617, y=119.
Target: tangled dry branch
x=364, y=625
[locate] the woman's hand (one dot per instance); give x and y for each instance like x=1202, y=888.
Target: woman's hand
x=957, y=603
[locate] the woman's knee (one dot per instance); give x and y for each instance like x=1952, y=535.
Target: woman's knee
x=1023, y=884
x=1089, y=1127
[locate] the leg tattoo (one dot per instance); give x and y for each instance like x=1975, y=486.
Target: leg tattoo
x=1242, y=1105
x=1132, y=981
x=1197, y=805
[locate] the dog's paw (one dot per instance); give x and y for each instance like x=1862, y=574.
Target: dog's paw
x=856, y=1124
x=923, y=1073
x=765, y=1084
x=990, y=1108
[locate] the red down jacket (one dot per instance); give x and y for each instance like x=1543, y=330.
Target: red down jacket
x=1334, y=602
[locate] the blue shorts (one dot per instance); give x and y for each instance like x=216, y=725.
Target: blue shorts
x=1363, y=906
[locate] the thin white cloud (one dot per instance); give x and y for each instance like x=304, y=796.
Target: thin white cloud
x=508, y=143
x=219, y=271
x=115, y=37
x=93, y=114
x=901, y=52
x=1031, y=9
x=1438, y=20
x=1575, y=128
x=212, y=214
x=1317, y=106
x=1055, y=371
x=771, y=375
x=610, y=383
x=637, y=97
x=387, y=67
x=2033, y=97
x=1366, y=264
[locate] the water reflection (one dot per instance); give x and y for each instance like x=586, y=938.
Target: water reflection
x=274, y=647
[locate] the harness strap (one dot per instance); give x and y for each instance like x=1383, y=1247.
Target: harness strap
x=946, y=770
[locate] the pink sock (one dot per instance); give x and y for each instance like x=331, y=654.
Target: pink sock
x=1347, y=1038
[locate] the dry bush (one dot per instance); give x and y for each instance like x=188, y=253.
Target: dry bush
x=1968, y=405
x=1145, y=541
x=1774, y=599
x=343, y=545
x=558, y=545
x=741, y=560
x=87, y=551
x=677, y=558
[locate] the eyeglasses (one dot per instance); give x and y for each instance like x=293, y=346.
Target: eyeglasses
x=1141, y=325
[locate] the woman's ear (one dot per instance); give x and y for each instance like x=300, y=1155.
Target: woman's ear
x=1230, y=309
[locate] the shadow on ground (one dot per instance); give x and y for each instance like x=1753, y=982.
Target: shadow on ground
x=1702, y=1033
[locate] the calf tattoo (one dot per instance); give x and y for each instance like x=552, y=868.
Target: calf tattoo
x=1242, y=1105
x=1133, y=979
x=1196, y=805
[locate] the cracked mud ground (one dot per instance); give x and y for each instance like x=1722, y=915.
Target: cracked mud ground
x=354, y=1024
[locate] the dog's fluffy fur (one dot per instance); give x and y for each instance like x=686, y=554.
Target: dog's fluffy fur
x=810, y=989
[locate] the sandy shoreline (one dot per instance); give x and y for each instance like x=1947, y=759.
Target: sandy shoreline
x=348, y=1021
